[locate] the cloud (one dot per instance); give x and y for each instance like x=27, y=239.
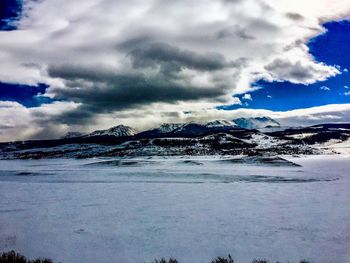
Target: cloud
x=300, y=72
x=234, y=31
x=109, y=59
x=14, y=118
x=170, y=57
x=247, y=96
x=19, y=122
x=315, y=115
x=295, y=16
x=300, y=117
x=325, y=88
x=347, y=93
x=101, y=91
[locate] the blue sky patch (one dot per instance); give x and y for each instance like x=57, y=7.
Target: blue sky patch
x=29, y=96
x=333, y=47
x=10, y=12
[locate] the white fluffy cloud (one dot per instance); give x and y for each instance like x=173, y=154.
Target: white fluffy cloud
x=109, y=59
x=299, y=72
x=325, y=88
x=247, y=96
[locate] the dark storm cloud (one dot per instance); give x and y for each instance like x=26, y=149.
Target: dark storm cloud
x=101, y=91
x=161, y=53
x=114, y=92
x=134, y=43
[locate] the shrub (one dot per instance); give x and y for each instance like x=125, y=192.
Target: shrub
x=223, y=260
x=163, y=260
x=13, y=257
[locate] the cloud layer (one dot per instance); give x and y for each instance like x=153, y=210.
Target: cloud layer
x=145, y=62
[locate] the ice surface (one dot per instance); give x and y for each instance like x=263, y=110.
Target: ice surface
x=260, y=160
x=138, y=209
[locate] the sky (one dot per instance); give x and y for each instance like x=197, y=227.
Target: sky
x=92, y=64
x=331, y=48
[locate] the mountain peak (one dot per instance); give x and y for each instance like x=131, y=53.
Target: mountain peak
x=117, y=131
x=169, y=127
x=220, y=123
x=256, y=122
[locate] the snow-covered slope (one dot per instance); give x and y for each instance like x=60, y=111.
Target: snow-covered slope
x=256, y=123
x=188, y=129
x=335, y=146
x=169, y=127
x=117, y=131
x=264, y=141
x=221, y=124
x=162, y=130
x=199, y=129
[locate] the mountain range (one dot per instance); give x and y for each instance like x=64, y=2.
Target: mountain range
x=257, y=123
x=184, y=129
x=237, y=137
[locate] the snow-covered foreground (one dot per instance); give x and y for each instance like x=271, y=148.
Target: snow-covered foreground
x=135, y=210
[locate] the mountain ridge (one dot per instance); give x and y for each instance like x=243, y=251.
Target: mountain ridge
x=118, y=131
x=256, y=123
x=184, y=139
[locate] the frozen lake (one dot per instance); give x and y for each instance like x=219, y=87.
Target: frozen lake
x=194, y=209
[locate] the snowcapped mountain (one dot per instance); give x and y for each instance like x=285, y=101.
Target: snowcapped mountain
x=189, y=129
x=198, y=129
x=216, y=137
x=162, y=130
x=117, y=131
x=256, y=123
x=169, y=127
x=221, y=124
x=166, y=128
